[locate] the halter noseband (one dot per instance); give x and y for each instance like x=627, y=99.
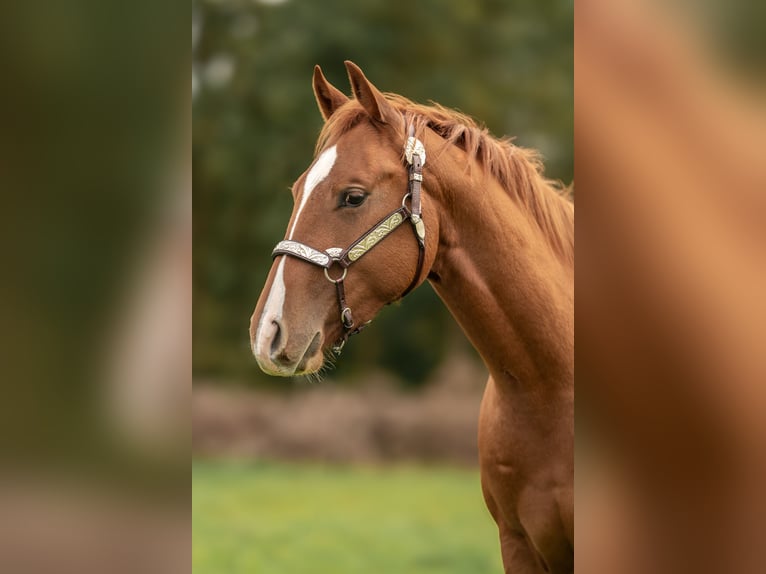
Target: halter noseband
x=415, y=154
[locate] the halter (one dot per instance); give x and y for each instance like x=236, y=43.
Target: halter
x=415, y=154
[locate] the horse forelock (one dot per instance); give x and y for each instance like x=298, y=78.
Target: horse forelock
x=518, y=170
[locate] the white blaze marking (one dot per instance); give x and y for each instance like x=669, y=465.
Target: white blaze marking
x=272, y=309
x=316, y=175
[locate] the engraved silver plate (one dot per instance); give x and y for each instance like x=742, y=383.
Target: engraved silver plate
x=375, y=236
x=302, y=251
x=420, y=227
x=334, y=252
x=414, y=145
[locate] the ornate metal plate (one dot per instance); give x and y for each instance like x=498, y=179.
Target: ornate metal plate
x=414, y=145
x=375, y=236
x=302, y=251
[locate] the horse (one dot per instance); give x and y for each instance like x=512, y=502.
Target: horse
x=400, y=193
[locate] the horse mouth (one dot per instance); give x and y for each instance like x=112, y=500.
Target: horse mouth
x=311, y=352
x=281, y=364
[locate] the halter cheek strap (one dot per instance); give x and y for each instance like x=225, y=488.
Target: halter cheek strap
x=415, y=154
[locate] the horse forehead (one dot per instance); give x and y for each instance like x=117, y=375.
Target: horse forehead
x=334, y=163
x=319, y=170
x=316, y=174
x=359, y=151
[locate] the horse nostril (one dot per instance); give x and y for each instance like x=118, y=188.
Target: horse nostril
x=282, y=359
x=277, y=338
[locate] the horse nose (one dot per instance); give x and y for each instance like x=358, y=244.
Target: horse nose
x=278, y=346
x=270, y=347
x=269, y=337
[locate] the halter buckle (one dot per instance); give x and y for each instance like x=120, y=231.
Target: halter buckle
x=346, y=318
x=420, y=227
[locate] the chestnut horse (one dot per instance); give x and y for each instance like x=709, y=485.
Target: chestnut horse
x=496, y=241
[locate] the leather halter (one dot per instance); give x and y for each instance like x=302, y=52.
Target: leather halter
x=415, y=155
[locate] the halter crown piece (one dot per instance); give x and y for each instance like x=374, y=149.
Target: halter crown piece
x=415, y=154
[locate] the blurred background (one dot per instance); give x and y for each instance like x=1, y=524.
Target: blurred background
x=256, y=122
x=373, y=469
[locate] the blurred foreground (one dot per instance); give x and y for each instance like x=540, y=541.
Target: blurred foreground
x=670, y=135
x=95, y=287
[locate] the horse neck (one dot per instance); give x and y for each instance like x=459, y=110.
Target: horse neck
x=499, y=275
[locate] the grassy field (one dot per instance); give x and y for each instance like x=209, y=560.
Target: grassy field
x=312, y=519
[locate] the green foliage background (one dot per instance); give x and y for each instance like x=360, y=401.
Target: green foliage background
x=255, y=122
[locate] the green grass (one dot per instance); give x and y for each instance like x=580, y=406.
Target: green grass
x=312, y=519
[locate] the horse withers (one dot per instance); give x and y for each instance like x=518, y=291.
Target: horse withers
x=400, y=193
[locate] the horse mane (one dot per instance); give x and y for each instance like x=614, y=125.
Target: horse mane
x=518, y=170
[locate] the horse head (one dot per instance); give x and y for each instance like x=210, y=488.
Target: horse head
x=361, y=191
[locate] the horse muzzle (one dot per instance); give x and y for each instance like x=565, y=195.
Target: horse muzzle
x=280, y=354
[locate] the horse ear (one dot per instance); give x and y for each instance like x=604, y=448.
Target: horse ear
x=328, y=96
x=369, y=96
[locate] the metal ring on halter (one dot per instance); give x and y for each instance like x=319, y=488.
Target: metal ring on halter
x=331, y=280
x=404, y=199
x=345, y=318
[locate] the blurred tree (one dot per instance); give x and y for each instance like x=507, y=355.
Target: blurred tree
x=508, y=64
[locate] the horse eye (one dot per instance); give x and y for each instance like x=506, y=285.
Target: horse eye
x=353, y=198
